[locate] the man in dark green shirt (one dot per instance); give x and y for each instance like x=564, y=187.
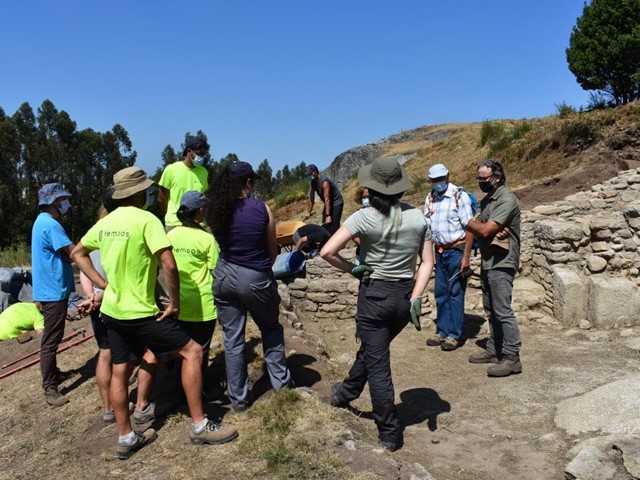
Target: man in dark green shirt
x=497, y=226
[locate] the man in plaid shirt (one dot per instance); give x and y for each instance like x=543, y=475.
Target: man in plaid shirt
x=448, y=210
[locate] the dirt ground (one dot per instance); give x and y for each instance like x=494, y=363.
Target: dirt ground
x=459, y=423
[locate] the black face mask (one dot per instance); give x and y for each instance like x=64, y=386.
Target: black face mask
x=486, y=187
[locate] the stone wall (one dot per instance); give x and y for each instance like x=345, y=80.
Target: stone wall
x=580, y=265
x=585, y=252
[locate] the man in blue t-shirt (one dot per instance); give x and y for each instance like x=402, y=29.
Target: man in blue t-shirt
x=52, y=281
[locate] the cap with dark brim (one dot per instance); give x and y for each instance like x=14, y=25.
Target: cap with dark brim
x=384, y=175
x=243, y=170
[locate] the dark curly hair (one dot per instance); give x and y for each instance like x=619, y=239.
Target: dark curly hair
x=222, y=198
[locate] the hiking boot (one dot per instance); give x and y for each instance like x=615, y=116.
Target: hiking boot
x=54, y=397
x=436, y=340
x=508, y=365
x=147, y=414
x=108, y=417
x=449, y=344
x=213, y=434
x=336, y=398
x=142, y=439
x=483, y=357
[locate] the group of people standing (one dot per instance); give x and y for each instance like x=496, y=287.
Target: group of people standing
x=226, y=273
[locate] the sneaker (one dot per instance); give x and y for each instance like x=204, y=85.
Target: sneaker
x=213, y=433
x=449, y=344
x=145, y=415
x=54, y=397
x=483, y=357
x=336, y=398
x=142, y=439
x=108, y=417
x=436, y=340
x=508, y=365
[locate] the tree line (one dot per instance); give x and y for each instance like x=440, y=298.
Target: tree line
x=46, y=146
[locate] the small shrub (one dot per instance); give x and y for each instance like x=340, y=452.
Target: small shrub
x=564, y=110
x=420, y=184
x=16, y=256
x=520, y=130
x=579, y=134
x=490, y=131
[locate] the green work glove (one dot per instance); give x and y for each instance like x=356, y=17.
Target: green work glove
x=415, y=310
x=362, y=272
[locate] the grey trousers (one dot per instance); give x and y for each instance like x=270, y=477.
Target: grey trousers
x=497, y=291
x=237, y=290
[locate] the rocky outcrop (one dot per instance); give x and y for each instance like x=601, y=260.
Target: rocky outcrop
x=344, y=166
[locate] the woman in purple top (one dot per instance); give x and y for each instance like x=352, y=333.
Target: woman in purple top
x=243, y=280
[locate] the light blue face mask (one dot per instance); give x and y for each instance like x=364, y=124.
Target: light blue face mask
x=310, y=177
x=365, y=202
x=198, y=160
x=63, y=206
x=440, y=187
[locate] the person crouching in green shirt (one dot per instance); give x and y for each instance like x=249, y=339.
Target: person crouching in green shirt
x=131, y=242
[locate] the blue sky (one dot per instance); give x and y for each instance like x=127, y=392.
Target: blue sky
x=286, y=80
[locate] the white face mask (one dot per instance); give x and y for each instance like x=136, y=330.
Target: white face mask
x=63, y=206
x=365, y=202
x=198, y=160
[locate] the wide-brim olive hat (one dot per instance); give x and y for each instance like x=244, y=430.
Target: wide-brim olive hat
x=130, y=181
x=384, y=175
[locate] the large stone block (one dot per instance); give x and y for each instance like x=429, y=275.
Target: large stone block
x=557, y=231
x=613, y=301
x=569, y=295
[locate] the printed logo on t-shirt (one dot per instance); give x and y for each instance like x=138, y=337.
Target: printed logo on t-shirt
x=112, y=234
x=186, y=251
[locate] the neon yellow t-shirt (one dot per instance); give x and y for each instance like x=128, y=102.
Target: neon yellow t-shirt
x=178, y=178
x=196, y=253
x=128, y=239
x=19, y=318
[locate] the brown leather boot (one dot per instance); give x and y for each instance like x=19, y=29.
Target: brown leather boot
x=508, y=365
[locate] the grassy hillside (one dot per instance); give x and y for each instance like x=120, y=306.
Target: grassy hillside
x=545, y=159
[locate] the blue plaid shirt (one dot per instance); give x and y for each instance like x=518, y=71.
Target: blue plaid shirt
x=448, y=215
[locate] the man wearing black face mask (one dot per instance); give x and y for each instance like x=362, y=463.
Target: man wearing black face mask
x=448, y=210
x=497, y=227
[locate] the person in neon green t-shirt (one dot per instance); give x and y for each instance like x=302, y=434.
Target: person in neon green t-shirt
x=196, y=254
x=19, y=318
x=131, y=242
x=182, y=176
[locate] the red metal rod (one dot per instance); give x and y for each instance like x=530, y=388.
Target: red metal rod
x=33, y=362
x=68, y=337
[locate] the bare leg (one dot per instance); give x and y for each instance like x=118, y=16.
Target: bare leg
x=119, y=394
x=146, y=373
x=103, y=377
x=191, y=355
